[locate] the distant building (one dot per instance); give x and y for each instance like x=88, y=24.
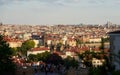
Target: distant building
x=37, y=50
x=13, y=43
x=94, y=40
x=71, y=42
x=5, y=33
x=115, y=48
x=97, y=62
x=39, y=39
x=26, y=36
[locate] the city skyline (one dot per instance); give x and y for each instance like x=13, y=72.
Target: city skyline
x=59, y=11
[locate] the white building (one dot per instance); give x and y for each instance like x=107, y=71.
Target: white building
x=115, y=49
x=64, y=39
x=95, y=40
x=37, y=50
x=97, y=62
x=49, y=41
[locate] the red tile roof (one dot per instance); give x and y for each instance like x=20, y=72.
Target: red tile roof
x=9, y=39
x=40, y=49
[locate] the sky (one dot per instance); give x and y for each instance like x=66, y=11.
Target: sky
x=59, y=11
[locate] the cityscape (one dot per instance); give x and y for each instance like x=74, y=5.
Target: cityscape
x=59, y=37
x=63, y=49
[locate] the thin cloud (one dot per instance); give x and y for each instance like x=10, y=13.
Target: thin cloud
x=62, y=2
x=8, y=2
x=58, y=11
x=5, y=2
x=52, y=1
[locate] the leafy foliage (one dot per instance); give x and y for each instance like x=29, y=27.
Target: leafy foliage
x=87, y=57
x=70, y=62
x=58, y=46
x=27, y=45
x=78, y=42
x=102, y=44
x=6, y=64
x=33, y=57
x=39, y=57
x=14, y=51
x=46, y=57
x=54, y=59
x=116, y=72
x=97, y=71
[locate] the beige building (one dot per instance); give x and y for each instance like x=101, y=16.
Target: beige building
x=14, y=44
x=71, y=42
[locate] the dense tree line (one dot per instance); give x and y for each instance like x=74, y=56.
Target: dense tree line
x=7, y=67
x=53, y=59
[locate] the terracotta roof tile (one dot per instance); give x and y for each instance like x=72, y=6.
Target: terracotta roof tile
x=39, y=49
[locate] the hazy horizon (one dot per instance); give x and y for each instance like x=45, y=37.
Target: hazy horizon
x=42, y=12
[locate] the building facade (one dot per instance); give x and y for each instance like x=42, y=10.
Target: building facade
x=115, y=49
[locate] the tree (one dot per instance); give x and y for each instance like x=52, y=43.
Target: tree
x=102, y=44
x=27, y=45
x=58, y=46
x=33, y=57
x=52, y=47
x=55, y=59
x=7, y=67
x=87, y=57
x=39, y=57
x=44, y=56
x=70, y=62
x=15, y=51
x=78, y=42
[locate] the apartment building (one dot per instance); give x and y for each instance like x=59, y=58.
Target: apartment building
x=115, y=49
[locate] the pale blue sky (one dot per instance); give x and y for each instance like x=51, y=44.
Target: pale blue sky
x=59, y=11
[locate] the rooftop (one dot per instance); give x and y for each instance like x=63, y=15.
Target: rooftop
x=39, y=49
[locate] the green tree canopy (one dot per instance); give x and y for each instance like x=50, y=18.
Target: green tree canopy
x=39, y=57
x=33, y=57
x=70, y=62
x=7, y=67
x=102, y=47
x=54, y=59
x=78, y=41
x=27, y=45
x=87, y=57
